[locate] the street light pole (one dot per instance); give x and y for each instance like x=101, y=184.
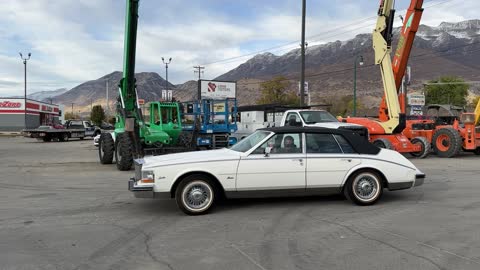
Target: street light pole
x=166, y=71
x=25, y=59
x=357, y=57
x=302, y=75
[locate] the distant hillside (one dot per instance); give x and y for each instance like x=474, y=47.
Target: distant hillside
x=45, y=96
x=448, y=49
x=149, y=87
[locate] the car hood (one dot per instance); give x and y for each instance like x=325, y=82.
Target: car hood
x=331, y=125
x=190, y=157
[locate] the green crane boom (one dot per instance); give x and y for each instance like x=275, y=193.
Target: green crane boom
x=127, y=84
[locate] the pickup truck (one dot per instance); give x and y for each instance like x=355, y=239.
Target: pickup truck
x=90, y=130
x=253, y=120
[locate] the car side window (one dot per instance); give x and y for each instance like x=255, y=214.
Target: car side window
x=318, y=143
x=344, y=144
x=287, y=143
x=293, y=119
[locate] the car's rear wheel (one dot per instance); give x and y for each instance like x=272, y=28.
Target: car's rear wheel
x=364, y=187
x=195, y=195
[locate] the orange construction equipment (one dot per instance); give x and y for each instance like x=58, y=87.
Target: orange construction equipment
x=400, y=59
x=446, y=139
x=387, y=132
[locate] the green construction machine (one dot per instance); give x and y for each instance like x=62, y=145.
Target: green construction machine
x=136, y=135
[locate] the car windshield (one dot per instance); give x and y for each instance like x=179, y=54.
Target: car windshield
x=312, y=117
x=250, y=141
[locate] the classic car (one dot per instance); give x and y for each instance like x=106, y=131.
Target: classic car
x=284, y=161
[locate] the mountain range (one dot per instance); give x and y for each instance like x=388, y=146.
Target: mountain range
x=447, y=49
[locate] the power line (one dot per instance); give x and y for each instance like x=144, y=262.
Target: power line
x=226, y=60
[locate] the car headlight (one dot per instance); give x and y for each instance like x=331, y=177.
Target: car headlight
x=147, y=177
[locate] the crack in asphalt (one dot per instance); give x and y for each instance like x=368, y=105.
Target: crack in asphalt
x=248, y=257
x=150, y=254
x=427, y=245
x=381, y=242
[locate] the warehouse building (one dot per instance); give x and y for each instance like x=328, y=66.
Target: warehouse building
x=13, y=114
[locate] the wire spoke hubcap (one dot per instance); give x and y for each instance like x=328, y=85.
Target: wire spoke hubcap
x=197, y=195
x=366, y=187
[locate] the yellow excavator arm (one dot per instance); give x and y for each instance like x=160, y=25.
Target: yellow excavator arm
x=477, y=113
x=382, y=38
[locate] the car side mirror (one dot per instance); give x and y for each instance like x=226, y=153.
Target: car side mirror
x=267, y=151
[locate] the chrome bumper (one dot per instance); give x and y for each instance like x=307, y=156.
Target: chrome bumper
x=146, y=192
x=140, y=192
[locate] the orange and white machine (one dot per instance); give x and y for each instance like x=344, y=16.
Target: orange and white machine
x=387, y=132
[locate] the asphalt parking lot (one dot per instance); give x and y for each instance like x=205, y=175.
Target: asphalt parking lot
x=61, y=209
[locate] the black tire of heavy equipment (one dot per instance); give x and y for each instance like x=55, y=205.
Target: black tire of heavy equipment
x=455, y=142
x=124, y=152
x=477, y=151
x=185, y=139
x=47, y=139
x=383, y=143
x=107, y=146
x=426, y=147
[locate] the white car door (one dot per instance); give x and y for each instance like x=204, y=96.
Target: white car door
x=283, y=168
x=329, y=158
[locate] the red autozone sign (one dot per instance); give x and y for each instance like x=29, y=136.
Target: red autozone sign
x=9, y=104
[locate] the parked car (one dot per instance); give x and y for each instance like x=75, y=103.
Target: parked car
x=276, y=162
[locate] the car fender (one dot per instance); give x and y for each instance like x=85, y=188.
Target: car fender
x=356, y=168
x=225, y=178
x=388, y=170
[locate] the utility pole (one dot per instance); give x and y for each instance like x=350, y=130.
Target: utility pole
x=25, y=59
x=198, y=70
x=72, y=109
x=357, y=58
x=166, y=71
x=302, y=77
x=106, y=105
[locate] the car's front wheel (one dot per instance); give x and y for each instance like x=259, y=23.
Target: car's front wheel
x=195, y=195
x=364, y=187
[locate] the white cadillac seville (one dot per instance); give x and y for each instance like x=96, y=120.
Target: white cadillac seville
x=288, y=161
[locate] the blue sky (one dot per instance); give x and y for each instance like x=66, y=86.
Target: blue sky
x=73, y=41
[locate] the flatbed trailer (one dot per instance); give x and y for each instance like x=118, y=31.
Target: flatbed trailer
x=47, y=133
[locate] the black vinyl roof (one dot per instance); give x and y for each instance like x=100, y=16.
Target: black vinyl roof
x=359, y=143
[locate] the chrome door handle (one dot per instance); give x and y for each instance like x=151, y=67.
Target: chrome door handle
x=346, y=159
x=298, y=159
